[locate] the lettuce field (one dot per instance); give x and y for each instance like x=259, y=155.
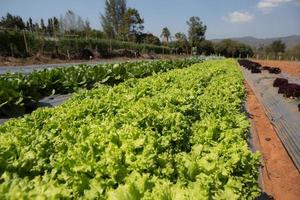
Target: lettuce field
x=179, y=134
x=20, y=93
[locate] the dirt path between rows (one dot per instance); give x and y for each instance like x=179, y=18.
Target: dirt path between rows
x=289, y=67
x=280, y=178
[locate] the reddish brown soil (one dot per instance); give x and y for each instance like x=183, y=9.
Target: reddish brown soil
x=289, y=67
x=280, y=178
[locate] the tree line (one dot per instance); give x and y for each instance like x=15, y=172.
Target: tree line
x=68, y=23
x=123, y=23
x=277, y=50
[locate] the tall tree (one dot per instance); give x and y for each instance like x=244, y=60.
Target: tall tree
x=30, y=24
x=277, y=47
x=231, y=48
x=166, y=34
x=148, y=38
x=12, y=22
x=182, y=42
x=55, y=24
x=50, y=28
x=71, y=22
x=113, y=19
x=205, y=47
x=36, y=26
x=80, y=24
x=196, y=30
x=133, y=24
x=43, y=27
x=27, y=26
x=87, y=25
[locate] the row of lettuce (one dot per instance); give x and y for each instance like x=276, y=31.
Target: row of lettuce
x=174, y=135
x=20, y=93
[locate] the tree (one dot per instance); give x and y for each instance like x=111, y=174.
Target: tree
x=166, y=34
x=50, y=26
x=80, y=24
x=113, y=19
x=294, y=53
x=133, y=24
x=181, y=44
x=196, y=32
x=205, y=47
x=12, y=22
x=55, y=25
x=87, y=25
x=277, y=47
x=71, y=22
x=36, y=26
x=27, y=26
x=231, y=48
x=148, y=38
x=43, y=27
x=180, y=36
x=30, y=24
x=68, y=22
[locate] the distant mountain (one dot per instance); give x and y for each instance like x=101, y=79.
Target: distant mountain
x=290, y=41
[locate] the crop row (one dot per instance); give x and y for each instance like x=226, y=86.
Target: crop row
x=20, y=93
x=175, y=135
x=289, y=90
x=286, y=88
x=256, y=68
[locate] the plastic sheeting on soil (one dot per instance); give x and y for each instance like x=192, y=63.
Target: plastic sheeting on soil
x=50, y=101
x=53, y=101
x=30, y=68
x=282, y=112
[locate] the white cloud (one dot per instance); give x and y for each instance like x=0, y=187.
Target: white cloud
x=238, y=17
x=267, y=5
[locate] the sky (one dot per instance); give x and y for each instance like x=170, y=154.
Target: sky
x=224, y=18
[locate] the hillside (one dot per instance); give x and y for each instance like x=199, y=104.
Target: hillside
x=290, y=41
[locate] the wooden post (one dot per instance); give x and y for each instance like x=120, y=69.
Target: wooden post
x=68, y=54
x=110, y=46
x=76, y=44
x=12, y=50
x=26, y=47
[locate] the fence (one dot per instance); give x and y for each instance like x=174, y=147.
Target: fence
x=289, y=55
x=22, y=43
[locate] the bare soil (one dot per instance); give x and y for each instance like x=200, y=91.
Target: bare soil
x=289, y=67
x=279, y=178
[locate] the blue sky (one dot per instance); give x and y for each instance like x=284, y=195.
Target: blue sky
x=224, y=18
